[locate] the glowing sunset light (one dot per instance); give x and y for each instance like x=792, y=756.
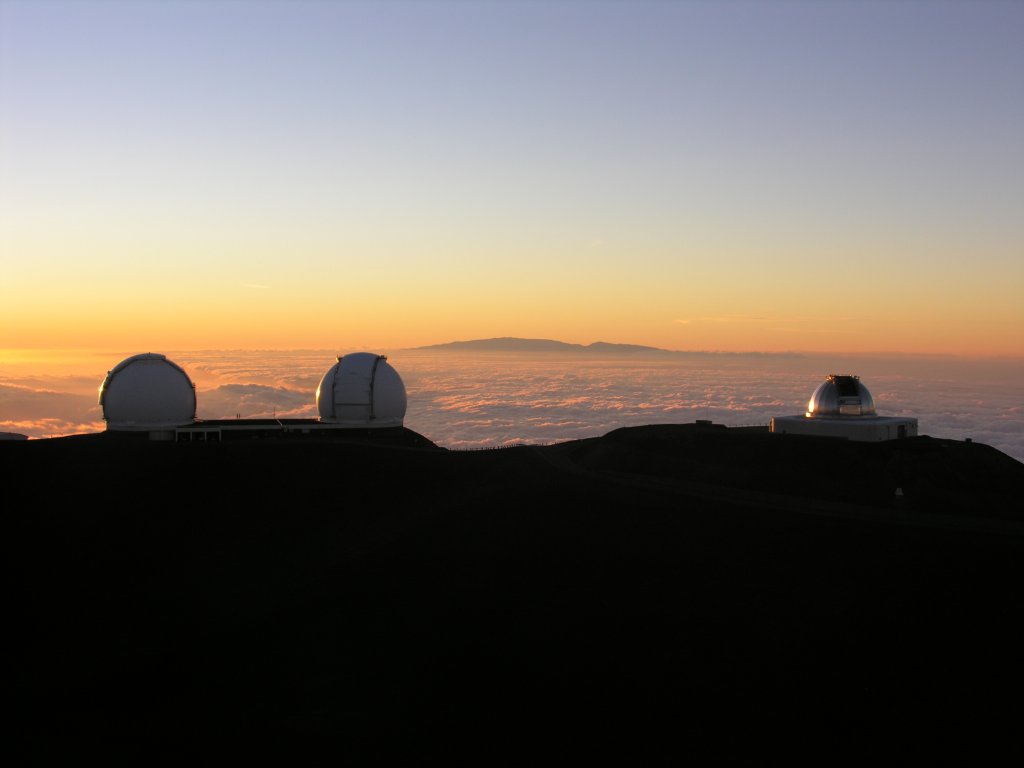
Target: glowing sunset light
x=431, y=376
x=753, y=176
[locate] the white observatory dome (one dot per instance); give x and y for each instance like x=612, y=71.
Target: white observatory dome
x=361, y=390
x=841, y=395
x=147, y=392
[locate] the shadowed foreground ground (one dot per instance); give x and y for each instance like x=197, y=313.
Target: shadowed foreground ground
x=384, y=599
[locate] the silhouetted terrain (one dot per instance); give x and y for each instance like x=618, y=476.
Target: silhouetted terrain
x=384, y=598
x=512, y=344
x=603, y=348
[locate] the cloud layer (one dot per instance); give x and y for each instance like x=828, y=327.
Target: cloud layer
x=466, y=401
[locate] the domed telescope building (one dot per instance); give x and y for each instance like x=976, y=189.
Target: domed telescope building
x=147, y=393
x=361, y=390
x=842, y=406
x=151, y=396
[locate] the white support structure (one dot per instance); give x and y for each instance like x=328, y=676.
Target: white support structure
x=866, y=428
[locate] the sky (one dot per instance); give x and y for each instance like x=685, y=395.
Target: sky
x=763, y=176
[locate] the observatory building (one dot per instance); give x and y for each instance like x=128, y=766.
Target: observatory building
x=150, y=394
x=146, y=393
x=842, y=406
x=361, y=390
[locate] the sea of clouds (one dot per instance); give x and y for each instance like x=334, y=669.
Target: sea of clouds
x=462, y=400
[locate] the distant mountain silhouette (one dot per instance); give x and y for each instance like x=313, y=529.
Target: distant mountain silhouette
x=508, y=344
x=513, y=344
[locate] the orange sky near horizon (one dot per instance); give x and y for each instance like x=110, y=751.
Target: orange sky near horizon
x=725, y=177
x=876, y=319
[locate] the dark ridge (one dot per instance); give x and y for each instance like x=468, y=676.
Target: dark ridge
x=625, y=349
x=507, y=344
x=512, y=344
x=385, y=600
x=934, y=476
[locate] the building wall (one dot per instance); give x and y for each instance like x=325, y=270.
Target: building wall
x=866, y=429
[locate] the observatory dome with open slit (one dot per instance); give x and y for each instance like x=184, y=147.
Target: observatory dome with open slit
x=841, y=395
x=361, y=390
x=842, y=406
x=146, y=392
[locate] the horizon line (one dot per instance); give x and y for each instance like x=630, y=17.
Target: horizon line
x=438, y=346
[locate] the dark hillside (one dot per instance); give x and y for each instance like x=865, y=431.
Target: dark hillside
x=932, y=476
x=384, y=599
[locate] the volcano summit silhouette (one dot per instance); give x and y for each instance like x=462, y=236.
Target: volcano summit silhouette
x=375, y=597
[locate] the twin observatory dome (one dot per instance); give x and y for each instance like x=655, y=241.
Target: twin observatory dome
x=150, y=394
